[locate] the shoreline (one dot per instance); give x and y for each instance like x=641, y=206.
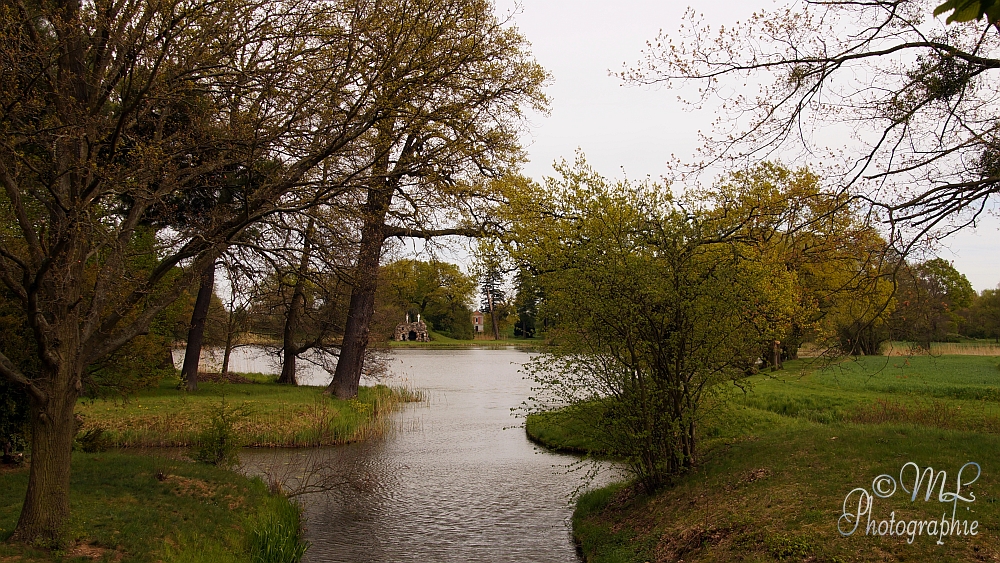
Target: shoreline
x=775, y=466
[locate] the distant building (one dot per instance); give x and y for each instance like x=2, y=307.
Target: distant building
x=477, y=322
x=415, y=331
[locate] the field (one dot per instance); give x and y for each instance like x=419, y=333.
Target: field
x=777, y=463
x=275, y=415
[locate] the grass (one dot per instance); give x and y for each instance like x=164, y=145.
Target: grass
x=132, y=508
x=564, y=430
x=279, y=415
x=776, y=464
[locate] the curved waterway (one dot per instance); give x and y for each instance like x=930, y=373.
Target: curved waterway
x=457, y=481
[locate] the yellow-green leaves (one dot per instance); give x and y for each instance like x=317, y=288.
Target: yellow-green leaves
x=968, y=10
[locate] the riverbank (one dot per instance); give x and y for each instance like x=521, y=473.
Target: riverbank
x=777, y=463
x=133, y=508
x=442, y=342
x=272, y=415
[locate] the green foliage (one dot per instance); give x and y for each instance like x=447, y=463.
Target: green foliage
x=437, y=290
x=273, y=535
x=930, y=297
x=968, y=10
x=526, y=305
x=219, y=442
x=841, y=263
x=984, y=315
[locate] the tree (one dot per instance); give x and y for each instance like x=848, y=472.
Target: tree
x=493, y=299
x=842, y=265
x=914, y=95
x=652, y=306
x=437, y=290
x=526, y=304
x=83, y=84
x=453, y=95
x=984, y=321
x=930, y=295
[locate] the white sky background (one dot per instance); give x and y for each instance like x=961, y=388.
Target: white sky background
x=633, y=130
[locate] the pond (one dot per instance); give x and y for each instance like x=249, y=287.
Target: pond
x=457, y=481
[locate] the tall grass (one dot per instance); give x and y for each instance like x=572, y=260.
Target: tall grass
x=942, y=349
x=273, y=535
x=276, y=416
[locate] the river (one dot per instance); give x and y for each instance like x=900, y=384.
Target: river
x=457, y=480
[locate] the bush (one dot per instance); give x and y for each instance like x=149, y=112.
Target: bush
x=94, y=440
x=218, y=443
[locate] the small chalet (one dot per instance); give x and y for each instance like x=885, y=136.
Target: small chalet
x=415, y=331
x=477, y=322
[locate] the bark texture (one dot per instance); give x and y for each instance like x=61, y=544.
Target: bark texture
x=347, y=376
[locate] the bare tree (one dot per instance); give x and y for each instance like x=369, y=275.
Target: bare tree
x=916, y=97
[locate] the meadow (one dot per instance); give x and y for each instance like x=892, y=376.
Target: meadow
x=777, y=461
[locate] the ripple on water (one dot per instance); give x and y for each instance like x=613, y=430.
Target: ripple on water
x=452, y=484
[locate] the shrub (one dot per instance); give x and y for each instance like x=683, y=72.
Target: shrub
x=218, y=443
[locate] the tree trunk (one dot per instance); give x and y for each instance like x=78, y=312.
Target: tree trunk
x=53, y=427
x=347, y=376
x=289, y=349
x=229, y=346
x=196, y=334
x=493, y=321
x=295, y=311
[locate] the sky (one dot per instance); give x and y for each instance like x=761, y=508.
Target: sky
x=632, y=131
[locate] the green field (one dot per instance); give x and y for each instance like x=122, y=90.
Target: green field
x=131, y=508
x=777, y=462
x=277, y=415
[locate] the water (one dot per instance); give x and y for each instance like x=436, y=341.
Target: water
x=457, y=482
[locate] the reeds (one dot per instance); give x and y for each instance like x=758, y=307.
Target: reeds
x=269, y=422
x=942, y=349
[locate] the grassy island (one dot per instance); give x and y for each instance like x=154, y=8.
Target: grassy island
x=131, y=507
x=776, y=464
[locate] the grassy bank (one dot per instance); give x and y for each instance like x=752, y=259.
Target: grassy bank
x=130, y=508
x=440, y=341
x=777, y=463
x=276, y=415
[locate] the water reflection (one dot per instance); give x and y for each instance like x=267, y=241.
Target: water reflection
x=457, y=482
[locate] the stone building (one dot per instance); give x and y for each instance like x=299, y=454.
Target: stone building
x=415, y=331
x=478, y=322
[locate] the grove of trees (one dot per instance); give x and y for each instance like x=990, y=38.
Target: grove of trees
x=140, y=141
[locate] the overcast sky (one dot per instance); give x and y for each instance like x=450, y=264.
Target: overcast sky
x=635, y=130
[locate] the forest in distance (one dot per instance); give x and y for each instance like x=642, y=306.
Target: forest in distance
x=218, y=174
